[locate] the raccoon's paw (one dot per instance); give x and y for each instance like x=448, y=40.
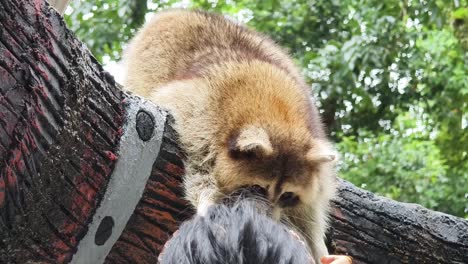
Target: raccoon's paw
x=203, y=207
x=206, y=199
x=319, y=249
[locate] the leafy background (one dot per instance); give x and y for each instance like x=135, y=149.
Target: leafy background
x=391, y=78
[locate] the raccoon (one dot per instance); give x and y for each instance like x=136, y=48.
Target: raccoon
x=243, y=112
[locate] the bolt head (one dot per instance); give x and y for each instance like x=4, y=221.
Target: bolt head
x=104, y=231
x=144, y=125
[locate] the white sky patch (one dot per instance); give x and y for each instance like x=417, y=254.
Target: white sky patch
x=116, y=69
x=151, y=5
x=375, y=101
x=213, y=2
x=148, y=17
x=348, y=105
x=385, y=124
x=88, y=16
x=244, y=15
x=69, y=10
x=323, y=95
x=402, y=84
x=367, y=81
x=363, y=27
x=464, y=121
x=182, y=4
x=357, y=98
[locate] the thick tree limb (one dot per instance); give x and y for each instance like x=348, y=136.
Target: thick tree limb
x=67, y=134
x=62, y=118
x=375, y=229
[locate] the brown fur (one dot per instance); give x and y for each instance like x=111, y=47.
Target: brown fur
x=242, y=110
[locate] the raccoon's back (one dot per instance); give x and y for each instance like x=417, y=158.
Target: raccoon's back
x=180, y=44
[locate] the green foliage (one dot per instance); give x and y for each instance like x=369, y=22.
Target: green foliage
x=391, y=78
x=403, y=165
x=405, y=169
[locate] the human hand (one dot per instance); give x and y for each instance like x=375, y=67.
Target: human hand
x=336, y=259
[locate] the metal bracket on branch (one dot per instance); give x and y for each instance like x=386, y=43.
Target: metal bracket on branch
x=90, y=174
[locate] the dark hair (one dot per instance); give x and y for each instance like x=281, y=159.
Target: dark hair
x=236, y=234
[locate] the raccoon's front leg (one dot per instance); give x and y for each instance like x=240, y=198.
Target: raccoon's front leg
x=312, y=223
x=201, y=191
x=317, y=233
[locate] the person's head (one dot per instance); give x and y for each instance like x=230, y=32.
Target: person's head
x=236, y=234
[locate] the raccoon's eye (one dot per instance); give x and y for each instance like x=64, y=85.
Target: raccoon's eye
x=288, y=199
x=255, y=190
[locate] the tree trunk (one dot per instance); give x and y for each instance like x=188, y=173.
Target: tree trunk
x=90, y=174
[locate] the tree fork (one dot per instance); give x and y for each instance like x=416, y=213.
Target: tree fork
x=91, y=174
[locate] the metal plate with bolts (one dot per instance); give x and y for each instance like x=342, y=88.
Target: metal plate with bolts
x=139, y=147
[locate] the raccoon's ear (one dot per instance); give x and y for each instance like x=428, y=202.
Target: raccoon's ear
x=251, y=141
x=321, y=152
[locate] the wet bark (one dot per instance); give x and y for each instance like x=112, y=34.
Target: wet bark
x=374, y=229
x=60, y=124
x=61, y=120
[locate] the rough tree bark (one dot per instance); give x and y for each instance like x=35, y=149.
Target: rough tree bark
x=67, y=132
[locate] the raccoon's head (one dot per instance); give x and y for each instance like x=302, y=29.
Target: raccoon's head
x=289, y=167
